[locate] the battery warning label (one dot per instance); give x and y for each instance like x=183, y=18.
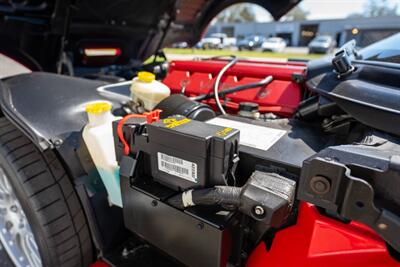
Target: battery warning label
x=177, y=167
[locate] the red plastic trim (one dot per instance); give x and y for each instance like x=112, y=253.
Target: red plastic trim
x=317, y=240
x=99, y=263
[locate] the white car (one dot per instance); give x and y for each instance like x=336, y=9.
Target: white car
x=217, y=41
x=274, y=44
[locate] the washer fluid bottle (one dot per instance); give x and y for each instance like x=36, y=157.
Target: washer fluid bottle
x=98, y=137
x=147, y=91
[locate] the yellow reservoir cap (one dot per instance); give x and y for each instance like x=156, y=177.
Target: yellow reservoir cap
x=98, y=107
x=145, y=76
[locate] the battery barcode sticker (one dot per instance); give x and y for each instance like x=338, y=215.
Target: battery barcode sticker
x=177, y=167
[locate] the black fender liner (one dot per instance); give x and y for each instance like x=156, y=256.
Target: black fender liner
x=50, y=110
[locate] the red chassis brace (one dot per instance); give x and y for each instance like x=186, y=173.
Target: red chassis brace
x=318, y=241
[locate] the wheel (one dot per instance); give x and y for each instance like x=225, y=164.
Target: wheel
x=41, y=218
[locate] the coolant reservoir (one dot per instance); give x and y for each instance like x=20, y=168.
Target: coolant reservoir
x=146, y=90
x=98, y=137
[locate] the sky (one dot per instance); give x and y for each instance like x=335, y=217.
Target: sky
x=326, y=9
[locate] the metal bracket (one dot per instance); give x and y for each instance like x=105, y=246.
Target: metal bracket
x=330, y=185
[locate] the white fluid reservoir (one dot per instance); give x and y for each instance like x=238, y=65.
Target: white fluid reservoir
x=147, y=91
x=98, y=137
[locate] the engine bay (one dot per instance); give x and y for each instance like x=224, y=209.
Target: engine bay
x=282, y=150
x=112, y=155
x=257, y=183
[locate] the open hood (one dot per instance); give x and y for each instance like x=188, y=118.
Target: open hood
x=40, y=29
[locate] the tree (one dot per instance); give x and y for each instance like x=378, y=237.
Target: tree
x=355, y=16
x=379, y=8
x=297, y=13
x=246, y=14
x=237, y=13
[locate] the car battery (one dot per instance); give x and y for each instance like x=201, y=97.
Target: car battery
x=186, y=153
x=196, y=237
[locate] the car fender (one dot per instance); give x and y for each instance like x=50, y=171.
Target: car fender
x=47, y=107
x=50, y=110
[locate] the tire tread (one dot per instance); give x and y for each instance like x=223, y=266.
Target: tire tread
x=50, y=190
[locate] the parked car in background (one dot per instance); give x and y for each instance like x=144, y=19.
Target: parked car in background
x=217, y=41
x=214, y=41
x=322, y=44
x=250, y=42
x=274, y=44
x=180, y=45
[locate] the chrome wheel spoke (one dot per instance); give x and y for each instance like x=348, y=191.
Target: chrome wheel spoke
x=30, y=247
x=16, y=235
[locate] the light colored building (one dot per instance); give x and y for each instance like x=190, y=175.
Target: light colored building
x=300, y=33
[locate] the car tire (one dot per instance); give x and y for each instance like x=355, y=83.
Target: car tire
x=48, y=200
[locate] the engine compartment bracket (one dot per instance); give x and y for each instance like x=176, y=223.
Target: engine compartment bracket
x=331, y=185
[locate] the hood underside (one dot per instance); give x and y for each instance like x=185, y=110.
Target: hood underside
x=138, y=27
x=193, y=17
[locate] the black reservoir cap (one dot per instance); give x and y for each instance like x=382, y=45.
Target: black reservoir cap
x=248, y=106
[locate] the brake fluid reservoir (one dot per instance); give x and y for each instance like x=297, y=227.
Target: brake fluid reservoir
x=98, y=137
x=147, y=91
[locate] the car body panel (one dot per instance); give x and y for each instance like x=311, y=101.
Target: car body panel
x=317, y=240
x=65, y=96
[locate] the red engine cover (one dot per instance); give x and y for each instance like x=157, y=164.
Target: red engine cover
x=317, y=241
x=281, y=96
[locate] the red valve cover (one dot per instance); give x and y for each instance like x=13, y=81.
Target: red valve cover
x=281, y=96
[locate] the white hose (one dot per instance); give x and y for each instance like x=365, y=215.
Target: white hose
x=218, y=80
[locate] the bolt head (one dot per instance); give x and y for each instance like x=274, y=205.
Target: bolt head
x=200, y=226
x=125, y=253
x=258, y=210
x=382, y=226
x=320, y=185
x=58, y=142
x=9, y=225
